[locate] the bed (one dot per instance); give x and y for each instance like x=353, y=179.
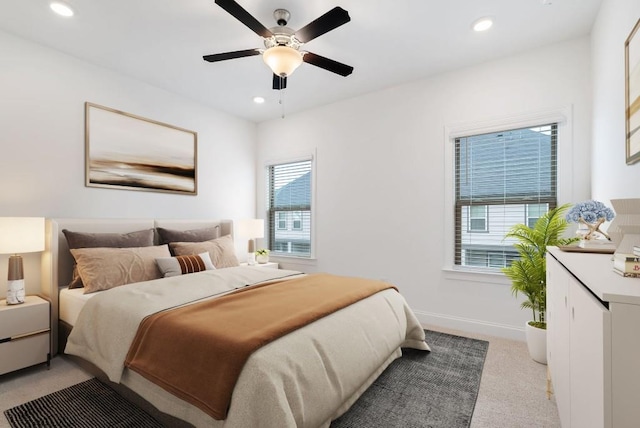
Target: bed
x=307, y=377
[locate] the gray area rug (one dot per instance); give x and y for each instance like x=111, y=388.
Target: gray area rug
x=89, y=404
x=436, y=389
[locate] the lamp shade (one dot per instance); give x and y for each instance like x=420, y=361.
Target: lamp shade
x=250, y=228
x=21, y=235
x=282, y=60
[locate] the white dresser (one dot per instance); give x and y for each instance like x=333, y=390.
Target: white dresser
x=593, y=341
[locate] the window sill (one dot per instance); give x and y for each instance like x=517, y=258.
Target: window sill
x=475, y=275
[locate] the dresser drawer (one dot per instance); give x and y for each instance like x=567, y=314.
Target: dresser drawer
x=24, y=352
x=25, y=318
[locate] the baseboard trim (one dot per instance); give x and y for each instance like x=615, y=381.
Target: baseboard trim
x=471, y=325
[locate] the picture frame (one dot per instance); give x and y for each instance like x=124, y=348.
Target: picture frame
x=632, y=95
x=129, y=152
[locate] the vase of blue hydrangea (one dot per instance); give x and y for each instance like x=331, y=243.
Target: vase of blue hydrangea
x=590, y=215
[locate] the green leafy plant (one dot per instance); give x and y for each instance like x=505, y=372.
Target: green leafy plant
x=528, y=274
x=262, y=252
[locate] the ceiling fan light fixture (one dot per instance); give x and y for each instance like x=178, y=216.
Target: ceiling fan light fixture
x=282, y=60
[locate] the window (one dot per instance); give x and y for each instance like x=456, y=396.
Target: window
x=477, y=218
x=534, y=212
x=501, y=178
x=289, y=208
x=297, y=220
x=282, y=221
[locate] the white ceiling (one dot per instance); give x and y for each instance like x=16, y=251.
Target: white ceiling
x=387, y=42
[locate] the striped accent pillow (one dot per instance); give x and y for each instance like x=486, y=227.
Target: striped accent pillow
x=180, y=265
x=191, y=264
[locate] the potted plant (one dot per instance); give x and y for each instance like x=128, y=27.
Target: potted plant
x=262, y=255
x=528, y=274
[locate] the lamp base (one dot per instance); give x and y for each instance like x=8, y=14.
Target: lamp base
x=15, y=291
x=251, y=259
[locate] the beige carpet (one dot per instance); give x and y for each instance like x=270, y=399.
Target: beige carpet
x=513, y=387
x=512, y=391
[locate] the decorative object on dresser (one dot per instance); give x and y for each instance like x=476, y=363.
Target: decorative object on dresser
x=251, y=229
x=590, y=215
x=625, y=263
x=624, y=230
x=593, y=341
x=130, y=152
x=528, y=273
x=262, y=256
x=24, y=334
x=19, y=235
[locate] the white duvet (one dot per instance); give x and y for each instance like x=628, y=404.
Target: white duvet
x=304, y=379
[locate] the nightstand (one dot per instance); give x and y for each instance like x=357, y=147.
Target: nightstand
x=268, y=265
x=24, y=334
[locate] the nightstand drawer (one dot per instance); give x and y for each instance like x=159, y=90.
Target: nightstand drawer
x=28, y=317
x=24, y=352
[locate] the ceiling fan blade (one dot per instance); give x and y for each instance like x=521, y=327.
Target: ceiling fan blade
x=279, y=82
x=245, y=17
x=327, y=22
x=327, y=64
x=231, y=55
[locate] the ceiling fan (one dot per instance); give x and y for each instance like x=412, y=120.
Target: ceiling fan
x=282, y=44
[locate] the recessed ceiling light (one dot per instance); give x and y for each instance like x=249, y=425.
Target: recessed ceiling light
x=482, y=24
x=61, y=9
x=258, y=100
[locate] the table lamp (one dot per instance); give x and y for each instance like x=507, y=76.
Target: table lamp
x=252, y=229
x=19, y=235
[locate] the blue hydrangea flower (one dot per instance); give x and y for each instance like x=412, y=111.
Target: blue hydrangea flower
x=590, y=211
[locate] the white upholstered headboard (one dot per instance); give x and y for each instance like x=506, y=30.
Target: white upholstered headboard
x=57, y=262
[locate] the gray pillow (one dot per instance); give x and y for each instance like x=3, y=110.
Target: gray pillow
x=193, y=235
x=75, y=240
x=141, y=238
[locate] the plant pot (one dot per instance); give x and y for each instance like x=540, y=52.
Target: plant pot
x=262, y=259
x=537, y=343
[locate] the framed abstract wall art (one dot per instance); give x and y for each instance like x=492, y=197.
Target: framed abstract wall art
x=632, y=94
x=130, y=152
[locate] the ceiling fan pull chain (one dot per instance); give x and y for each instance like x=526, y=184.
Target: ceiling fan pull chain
x=281, y=101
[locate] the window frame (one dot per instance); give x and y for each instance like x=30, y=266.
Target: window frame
x=528, y=217
x=485, y=218
x=275, y=255
x=282, y=219
x=562, y=116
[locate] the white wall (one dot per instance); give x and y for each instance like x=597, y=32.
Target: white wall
x=42, y=96
x=381, y=176
x=611, y=177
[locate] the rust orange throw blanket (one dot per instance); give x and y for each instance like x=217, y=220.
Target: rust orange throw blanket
x=197, y=352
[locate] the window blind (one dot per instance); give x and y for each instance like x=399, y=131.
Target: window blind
x=289, y=202
x=501, y=178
